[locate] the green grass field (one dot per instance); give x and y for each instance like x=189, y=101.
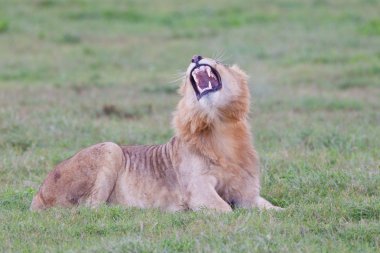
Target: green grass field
x=78, y=72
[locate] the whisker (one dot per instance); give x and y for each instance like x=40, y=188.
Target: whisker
x=225, y=58
x=176, y=80
x=178, y=77
x=179, y=73
x=219, y=55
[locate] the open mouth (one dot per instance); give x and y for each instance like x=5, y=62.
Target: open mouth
x=205, y=79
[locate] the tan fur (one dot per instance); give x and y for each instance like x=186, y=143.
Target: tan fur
x=209, y=163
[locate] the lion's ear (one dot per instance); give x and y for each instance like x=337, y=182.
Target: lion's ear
x=240, y=72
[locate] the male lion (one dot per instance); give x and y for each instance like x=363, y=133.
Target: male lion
x=209, y=163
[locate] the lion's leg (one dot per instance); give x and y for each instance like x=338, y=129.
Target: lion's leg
x=249, y=196
x=256, y=202
x=102, y=188
x=204, y=195
x=262, y=203
x=86, y=178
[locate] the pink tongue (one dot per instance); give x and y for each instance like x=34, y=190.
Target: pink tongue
x=202, y=79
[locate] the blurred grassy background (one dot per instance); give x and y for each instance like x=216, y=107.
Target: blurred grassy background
x=74, y=73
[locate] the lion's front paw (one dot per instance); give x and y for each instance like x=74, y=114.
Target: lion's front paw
x=262, y=203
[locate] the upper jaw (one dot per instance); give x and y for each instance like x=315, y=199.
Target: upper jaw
x=204, y=79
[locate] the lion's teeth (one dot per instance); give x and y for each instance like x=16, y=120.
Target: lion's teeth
x=209, y=84
x=209, y=72
x=195, y=78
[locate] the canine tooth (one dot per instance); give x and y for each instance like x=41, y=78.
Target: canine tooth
x=209, y=72
x=195, y=78
x=209, y=84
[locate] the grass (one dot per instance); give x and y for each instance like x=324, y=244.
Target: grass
x=74, y=73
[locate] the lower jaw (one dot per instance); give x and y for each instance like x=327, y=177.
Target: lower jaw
x=200, y=95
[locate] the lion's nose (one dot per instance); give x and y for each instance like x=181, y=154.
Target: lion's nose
x=196, y=59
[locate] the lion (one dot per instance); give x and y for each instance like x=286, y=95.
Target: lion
x=209, y=164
